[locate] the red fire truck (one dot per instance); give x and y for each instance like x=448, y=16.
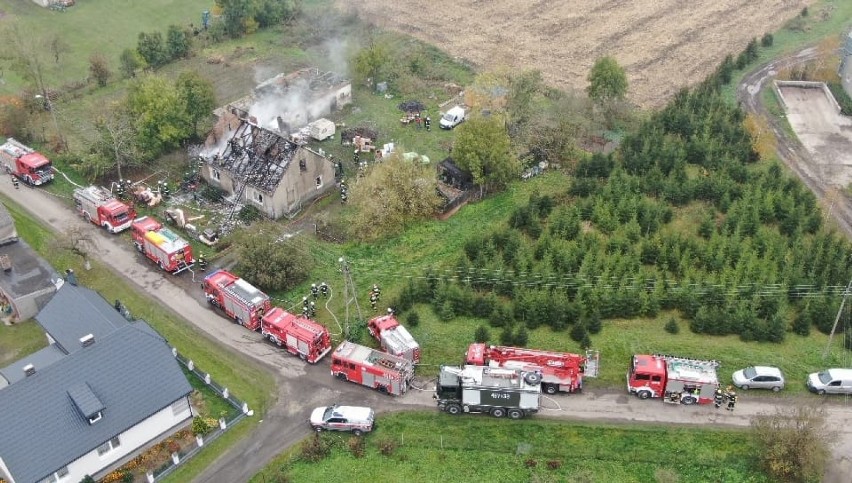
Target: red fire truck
x=386, y=373
x=561, y=371
x=99, y=206
x=394, y=338
x=164, y=247
x=26, y=163
x=301, y=337
x=239, y=299
x=677, y=380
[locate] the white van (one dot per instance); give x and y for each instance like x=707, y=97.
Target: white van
x=452, y=118
x=831, y=381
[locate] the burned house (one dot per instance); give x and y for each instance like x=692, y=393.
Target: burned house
x=288, y=102
x=262, y=168
x=455, y=185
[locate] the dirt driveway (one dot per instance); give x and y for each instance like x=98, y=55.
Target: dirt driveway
x=663, y=44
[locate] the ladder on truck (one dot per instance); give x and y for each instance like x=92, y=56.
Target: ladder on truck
x=698, y=363
x=182, y=265
x=593, y=360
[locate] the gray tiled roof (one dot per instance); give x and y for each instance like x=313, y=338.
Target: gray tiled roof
x=75, y=312
x=131, y=371
x=29, y=273
x=15, y=371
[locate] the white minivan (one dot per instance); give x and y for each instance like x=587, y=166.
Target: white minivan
x=452, y=118
x=831, y=381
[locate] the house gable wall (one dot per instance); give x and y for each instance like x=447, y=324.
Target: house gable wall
x=132, y=441
x=298, y=187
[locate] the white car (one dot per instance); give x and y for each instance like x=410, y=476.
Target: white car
x=759, y=377
x=357, y=419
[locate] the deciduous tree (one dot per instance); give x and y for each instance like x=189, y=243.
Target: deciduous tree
x=370, y=61
x=178, y=42
x=269, y=260
x=483, y=148
x=197, y=97
x=794, y=442
x=607, y=81
x=99, y=69
x=131, y=62
x=159, y=116
x=395, y=193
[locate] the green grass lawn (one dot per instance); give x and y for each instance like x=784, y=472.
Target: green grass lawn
x=20, y=340
x=242, y=376
x=95, y=26
x=438, y=447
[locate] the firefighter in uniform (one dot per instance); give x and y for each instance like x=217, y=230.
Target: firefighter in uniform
x=304, y=303
x=15, y=182
x=732, y=400
x=376, y=291
x=356, y=156
x=373, y=301
x=314, y=291
x=324, y=289
x=718, y=398
x=313, y=309
x=428, y=123
x=202, y=262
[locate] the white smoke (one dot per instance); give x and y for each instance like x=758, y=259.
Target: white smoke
x=338, y=55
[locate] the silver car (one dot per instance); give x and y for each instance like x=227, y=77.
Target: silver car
x=759, y=377
x=359, y=420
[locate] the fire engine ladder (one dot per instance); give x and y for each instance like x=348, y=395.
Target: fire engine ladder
x=593, y=360
x=687, y=361
x=182, y=265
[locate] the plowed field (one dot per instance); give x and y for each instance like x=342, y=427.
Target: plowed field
x=663, y=44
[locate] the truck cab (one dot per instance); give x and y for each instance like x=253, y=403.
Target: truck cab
x=646, y=376
x=34, y=169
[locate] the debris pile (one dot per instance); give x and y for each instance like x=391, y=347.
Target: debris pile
x=411, y=106
x=347, y=135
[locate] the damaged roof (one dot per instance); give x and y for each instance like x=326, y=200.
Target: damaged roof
x=255, y=155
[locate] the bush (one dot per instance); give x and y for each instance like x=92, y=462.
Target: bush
x=249, y=214
x=593, y=323
x=314, y=449
x=578, y=332
x=356, y=446
x=507, y=336
x=199, y=426
x=767, y=40
x=446, y=312
x=586, y=342
x=387, y=447
x=530, y=463
x=554, y=464
x=482, y=334
x=522, y=337
x=672, y=327
x=793, y=443
x=847, y=340
x=413, y=319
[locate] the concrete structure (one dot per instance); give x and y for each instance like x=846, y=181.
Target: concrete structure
x=259, y=167
x=288, y=102
x=846, y=64
x=27, y=282
x=93, y=410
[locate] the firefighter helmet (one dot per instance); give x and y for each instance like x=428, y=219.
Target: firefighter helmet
x=313, y=285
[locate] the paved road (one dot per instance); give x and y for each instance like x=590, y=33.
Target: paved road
x=301, y=387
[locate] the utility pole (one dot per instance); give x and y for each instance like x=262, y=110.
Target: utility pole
x=837, y=319
x=350, y=294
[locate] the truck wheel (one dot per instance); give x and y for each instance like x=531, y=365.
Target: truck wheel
x=532, y=378
x=139, y=249
x=87, y=217
x=454, y=409
x=341, y=376
x=357, y=432
x=515, y=414
x=688, y=401
x=274, y=340
x=382, y=389
x=643, y=394
x=550, y=388
x=28, y=180
x=162, y=267
x=107, y=227
x=498, y=412
x=302, y=356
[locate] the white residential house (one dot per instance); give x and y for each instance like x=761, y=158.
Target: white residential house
x=93, y=410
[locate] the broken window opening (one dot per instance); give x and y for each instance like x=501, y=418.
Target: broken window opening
x=319, y=182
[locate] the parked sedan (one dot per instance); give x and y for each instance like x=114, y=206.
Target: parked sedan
x=759, y=377
x=359, y=420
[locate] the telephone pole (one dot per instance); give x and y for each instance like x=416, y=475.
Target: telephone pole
x=837, y=319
